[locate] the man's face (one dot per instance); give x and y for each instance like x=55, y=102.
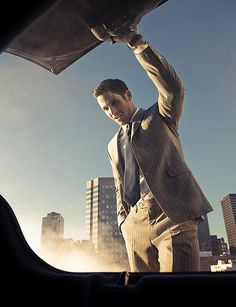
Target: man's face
x=119, y=108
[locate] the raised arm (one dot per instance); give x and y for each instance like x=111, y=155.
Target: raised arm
x=163, y=75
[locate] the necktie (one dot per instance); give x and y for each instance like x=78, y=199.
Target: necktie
x=131, y=173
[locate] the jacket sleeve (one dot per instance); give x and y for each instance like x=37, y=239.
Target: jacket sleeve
x=168, y=84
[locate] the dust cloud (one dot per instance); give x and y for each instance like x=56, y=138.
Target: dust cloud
x=76, y=256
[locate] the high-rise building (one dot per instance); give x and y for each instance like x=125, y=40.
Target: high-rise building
x=204, y=238
x=52, y=227
x=228, y=204
x=219, y=247
x=101, y=219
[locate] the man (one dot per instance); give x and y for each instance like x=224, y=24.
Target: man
x=159, y=213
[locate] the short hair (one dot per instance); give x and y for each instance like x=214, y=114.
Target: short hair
x=114, y=85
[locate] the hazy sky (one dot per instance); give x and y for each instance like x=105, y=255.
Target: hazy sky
x=53, y=135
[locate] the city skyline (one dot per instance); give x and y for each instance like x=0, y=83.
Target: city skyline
x=53, y=136
x=204, y=228
x=103, y=244
x=103, y=248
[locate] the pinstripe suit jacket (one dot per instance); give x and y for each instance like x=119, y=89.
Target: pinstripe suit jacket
x=157, y=148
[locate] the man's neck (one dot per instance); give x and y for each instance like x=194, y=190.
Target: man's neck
x=131, y=119
x=135, y=112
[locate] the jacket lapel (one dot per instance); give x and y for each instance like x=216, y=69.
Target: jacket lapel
x=137, y=121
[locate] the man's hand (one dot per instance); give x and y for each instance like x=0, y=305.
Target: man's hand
x=116, y=33
x=117, y=30
x=127, y=36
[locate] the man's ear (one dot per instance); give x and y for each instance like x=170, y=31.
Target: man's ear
x=128, y=95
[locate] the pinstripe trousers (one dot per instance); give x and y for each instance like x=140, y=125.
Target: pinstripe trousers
x=155, y=244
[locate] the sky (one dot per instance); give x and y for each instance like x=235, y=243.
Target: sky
x=53, y=135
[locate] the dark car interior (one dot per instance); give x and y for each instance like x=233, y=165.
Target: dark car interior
x=25, y=277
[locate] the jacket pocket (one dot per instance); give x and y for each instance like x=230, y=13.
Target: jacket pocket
x=177, y=168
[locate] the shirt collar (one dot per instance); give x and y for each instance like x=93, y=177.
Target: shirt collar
x=132, y=119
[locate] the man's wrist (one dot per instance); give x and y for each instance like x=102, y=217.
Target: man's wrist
x=134, y=40
x=137, y=43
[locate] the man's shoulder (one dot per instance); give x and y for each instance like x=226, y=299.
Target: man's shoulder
x=142, y=112
x=152, y=109
x=114, y=138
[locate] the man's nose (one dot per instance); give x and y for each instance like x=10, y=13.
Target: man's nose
x=113, y=110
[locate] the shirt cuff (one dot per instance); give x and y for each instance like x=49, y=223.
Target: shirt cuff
x=140, y=48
